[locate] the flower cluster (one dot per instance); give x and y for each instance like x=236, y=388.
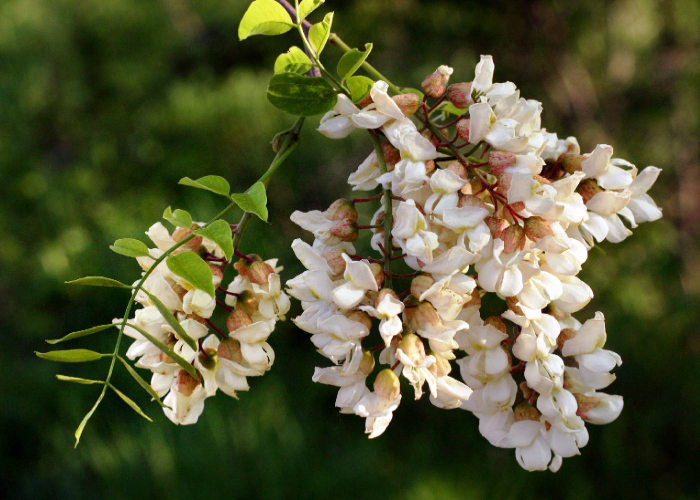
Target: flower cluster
x=488, y=189
x=254, y=301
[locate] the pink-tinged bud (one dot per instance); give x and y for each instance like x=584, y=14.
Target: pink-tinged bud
x=537, y=228
x=435, y=84
x=238, y=319
x=216, y=273
x=365, y=101
x=457, y=168
x=377, y=272
x=382, y=295
x=469, y=200
x=230, y=349
x=525, y=389
x=387, y=384
x=179, y=290
x=497, y=323
x=345, y=230
x=208, y=359
x=335, y=260
x=504, y=181
x=564, y=335
x=391, y=155
x=186, y=383
x=413, y=347
x=248, y=302
x=463, y=129
x=441, y=367
x=181, y=233
x=585, y=404
x=360, y=317
x=429, y=167
x=420, y=284
x=500, y=160
x=407, y=103
x=512, y=303
x=425, y=316
x=513, y=238
x=367, y=364
x=342, y=209
x=525, y=411
x=475, y=299
x=496, y=225
x=242, y=265
x=259, y=272
x=588, y=189
x=572, y=162
x=460, y=94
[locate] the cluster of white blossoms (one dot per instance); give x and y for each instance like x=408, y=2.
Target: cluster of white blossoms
x=504, y=207
x=221, y=361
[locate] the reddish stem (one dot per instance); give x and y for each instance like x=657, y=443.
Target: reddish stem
x=221, y=289
x=243, y=256
x=215, y=328
x=224, y=306
x=371, y=198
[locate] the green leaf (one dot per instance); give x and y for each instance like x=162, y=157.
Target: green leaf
x=191, y=267
x=254, y=200
x=71, y=355
x=220, y=233
x=264, y=17
x=170, y=319
x=130, y=402
x=81, y=333
x=300, y=95
x=130, y=247
x=178, y=218
x=294, y=61
x=351, y=62
x=319, y=33
x=84, y=421
x=145, y=385
x=359, y=87
x=213, y=183
x=306, y=7
x=167, y=350
x=98, y=281
x=78, y=380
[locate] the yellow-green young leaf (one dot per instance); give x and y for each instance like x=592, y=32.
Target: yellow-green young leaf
x=84, y=421
x=300, y=95
x=264, y=17
x=182, y=362
x=145, y=385
x=71, y=355
x=319, y=33
x=98, y=281
x=170, y=319
x=293, y=61
x=130, y=247
x=178, y=218
x=191, y=267
x=78, y=380
x=359, y=87
x=81, y=333
x=212, y=183
x=306, y=7
x=254, y=200
x=351, y=62
x=130, y=402
x=220, y=233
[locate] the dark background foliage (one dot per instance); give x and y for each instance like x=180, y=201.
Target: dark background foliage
x=105, y=104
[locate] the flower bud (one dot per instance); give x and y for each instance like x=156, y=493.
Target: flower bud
x=525, y=389
x=248, y=302
x=525, y=411
x=435, y=84
x=585, y=403
x=181, y=233
x=413, y=347
x=441, y=367
x=457, y=168
x=179, y=290
x=588, y=189
x=360, y=317
x=367, y=364
x=512, y=303
x=537, y=228
x=345, y=230
x=497, y=323
x=429, y=167
x=572, y=162
x=513, y=238
x=377, y=272
x=420, y=284
x=496, y=225
x=504, y=181
x=334, y=258
x=382, y=295
x=208, y=359
x=342, y=209
x=186, y=383
x=500, y=160
x=365, y=101
x=564, y=335
x=407, y=103
x=230, y=349
x=391, y=155
x=258, y=272
x=469, y=200
x=425, y=316
x=460, y=94
x=387, y=384
x=463, y=129
x=238, y=319
x=216, y=273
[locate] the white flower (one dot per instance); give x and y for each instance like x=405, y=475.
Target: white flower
x=606, y=172
x=378, y=411
x=641, y=205
x=336, y=123
x=199, y=302
x=254, y=348
x=503, y=273
x=410, y=230
x=388, y=311
x=359, y=280
x=185, y=399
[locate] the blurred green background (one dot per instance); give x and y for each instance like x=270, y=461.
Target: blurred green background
x=105, y=104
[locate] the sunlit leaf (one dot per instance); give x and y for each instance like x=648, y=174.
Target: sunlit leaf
x=78, y=380
x=319, y=33
x=301, y=95
x=213, y=183
x=71, y=355
x=170, y=319
x=351, y=62
x=306, y=7
x=294, y=61
x=179, y=218
x=359, y=87
x=130, y=402
x=220, y=233
x=264, y=17
x=254, y=200
x=81, y=333
x=145, y=385
x=191, y=267
x=130, y=247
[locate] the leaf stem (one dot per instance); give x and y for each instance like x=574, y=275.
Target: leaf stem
x=388, y=215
